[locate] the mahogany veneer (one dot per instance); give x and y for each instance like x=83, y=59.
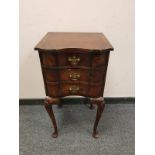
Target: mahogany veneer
x=74, y=64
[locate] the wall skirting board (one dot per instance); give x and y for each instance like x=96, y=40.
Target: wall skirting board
x=108, y=100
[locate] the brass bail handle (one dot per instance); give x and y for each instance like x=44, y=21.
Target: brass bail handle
x=74, y=60
x=74, y=89
x=74, y=76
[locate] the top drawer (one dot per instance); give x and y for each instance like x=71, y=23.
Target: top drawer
x=74, y=58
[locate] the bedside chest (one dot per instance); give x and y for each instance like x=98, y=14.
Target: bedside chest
x=74, y=64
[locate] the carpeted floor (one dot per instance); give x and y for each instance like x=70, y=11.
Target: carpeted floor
x=75, y=124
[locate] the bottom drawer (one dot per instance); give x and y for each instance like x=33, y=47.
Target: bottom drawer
x=74, y=89
x=66, y=89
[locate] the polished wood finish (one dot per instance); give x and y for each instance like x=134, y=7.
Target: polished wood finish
x=74, y=64
x=61, y=40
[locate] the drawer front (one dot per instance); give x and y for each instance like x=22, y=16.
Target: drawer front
x=53, y=75
x=66, y=89
x=73, y=57
x=73, y=89
x=74, y=75
x=56, y=90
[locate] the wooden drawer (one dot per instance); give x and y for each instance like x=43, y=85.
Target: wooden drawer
x=90, y=90
x=86, y=75
x=53, y=75
x=66, y=89
x=74, y=75
x=74, y=89
x=74, y=57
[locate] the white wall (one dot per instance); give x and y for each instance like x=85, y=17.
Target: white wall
x=114, y=18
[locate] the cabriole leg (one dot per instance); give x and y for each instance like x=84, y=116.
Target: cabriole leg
x=100, y=107
x=48, y=106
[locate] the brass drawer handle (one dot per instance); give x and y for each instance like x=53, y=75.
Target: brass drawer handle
x=74, y=89
x=74, y=60
x=74, y=76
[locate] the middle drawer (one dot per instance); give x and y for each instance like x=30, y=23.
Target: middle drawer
x=53, y=75
x=76, y=74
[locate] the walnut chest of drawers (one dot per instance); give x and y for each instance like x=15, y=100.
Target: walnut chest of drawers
x=74, y=64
